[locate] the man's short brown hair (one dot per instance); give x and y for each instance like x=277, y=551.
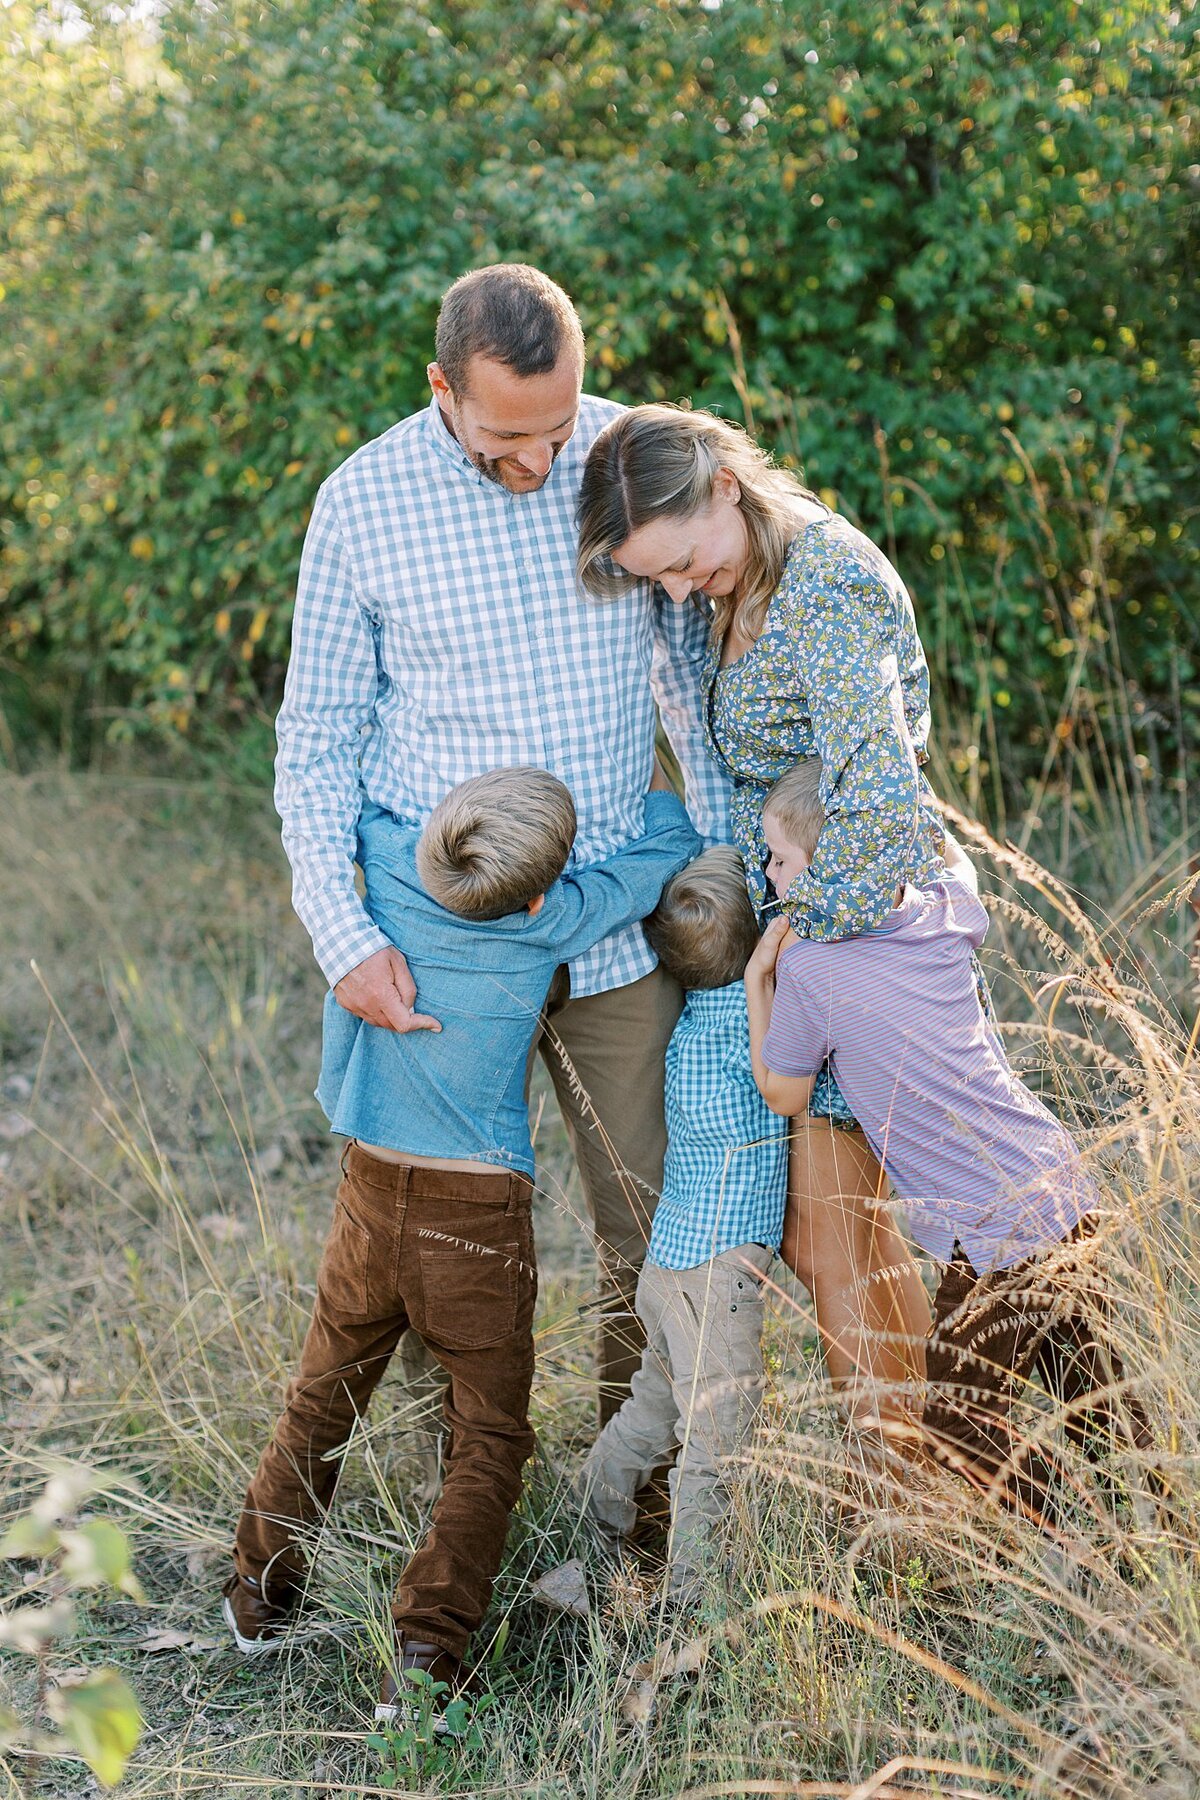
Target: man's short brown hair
x=496, y=842
x=795, y=800
x=703, y=927
x=510, y=312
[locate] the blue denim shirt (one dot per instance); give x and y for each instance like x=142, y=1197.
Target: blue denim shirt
x=460, y=1092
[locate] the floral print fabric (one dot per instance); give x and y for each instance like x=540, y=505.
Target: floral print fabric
x=837, y=672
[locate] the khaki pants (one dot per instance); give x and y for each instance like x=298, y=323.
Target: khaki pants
x=606, y=1056
x=698, y=1388
x=448, y=1257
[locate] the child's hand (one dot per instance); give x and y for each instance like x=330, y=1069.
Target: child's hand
x=761, y=967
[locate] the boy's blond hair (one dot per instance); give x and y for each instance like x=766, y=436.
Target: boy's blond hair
x=795, y=800
x=496, y=842
x=703, y=927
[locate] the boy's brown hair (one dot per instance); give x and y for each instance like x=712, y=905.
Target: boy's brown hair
x=703, y=928
x=795, y=800
x=496, y=842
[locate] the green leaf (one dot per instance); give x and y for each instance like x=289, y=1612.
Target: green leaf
x=97, y=1554
x=29, y=1536
x=101, y=1718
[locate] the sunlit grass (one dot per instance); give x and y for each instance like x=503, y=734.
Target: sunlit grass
x=162, y=1222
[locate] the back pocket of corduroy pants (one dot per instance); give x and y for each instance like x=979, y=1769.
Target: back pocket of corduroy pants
x=470, y=1293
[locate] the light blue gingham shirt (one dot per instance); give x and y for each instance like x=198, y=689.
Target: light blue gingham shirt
x=439, y=633
x=725, y=1181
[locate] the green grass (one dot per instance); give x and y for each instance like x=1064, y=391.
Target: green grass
x=161, y=1227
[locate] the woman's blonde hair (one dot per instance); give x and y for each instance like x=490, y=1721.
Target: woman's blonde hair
x=703, y=928
x=496, y=842
x=660, y=462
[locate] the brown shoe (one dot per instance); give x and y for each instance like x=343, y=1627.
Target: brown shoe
x=258, y=1625
x=400, y=1698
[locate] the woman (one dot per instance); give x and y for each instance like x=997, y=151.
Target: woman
x=813, y=652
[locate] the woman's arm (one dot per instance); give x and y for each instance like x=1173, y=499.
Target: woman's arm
x=844, y=627
x=959, y=864
x=786, y=1095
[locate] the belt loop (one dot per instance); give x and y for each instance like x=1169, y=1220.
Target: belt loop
x=346, y=1149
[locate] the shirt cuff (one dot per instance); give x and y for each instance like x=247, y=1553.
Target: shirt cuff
x=338, y=956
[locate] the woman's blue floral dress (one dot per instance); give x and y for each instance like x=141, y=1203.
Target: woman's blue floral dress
x=837, y=672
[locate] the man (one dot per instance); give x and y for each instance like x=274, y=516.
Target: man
x=438, y=634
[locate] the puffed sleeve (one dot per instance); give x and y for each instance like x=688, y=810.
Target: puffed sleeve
x=842, y=620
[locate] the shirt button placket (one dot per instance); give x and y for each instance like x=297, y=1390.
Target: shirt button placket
x=533, y=611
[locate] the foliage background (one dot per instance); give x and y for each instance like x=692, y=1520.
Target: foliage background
x=941, y=255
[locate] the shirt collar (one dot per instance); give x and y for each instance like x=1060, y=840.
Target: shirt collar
x=444, y=444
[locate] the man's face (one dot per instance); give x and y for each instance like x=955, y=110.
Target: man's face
x=512, y=426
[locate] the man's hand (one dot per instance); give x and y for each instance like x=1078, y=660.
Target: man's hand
x=761, y=967
x=381, y=991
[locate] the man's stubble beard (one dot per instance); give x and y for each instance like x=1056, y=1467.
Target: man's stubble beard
x=491, y=467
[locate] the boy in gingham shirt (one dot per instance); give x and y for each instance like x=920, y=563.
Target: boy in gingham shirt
x=716, y=1228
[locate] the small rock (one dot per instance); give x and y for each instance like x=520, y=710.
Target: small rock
x=157, y=1641
x=14, y=1125
x=565, y=1589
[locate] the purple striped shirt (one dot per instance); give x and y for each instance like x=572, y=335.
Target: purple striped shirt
x=971, y=1153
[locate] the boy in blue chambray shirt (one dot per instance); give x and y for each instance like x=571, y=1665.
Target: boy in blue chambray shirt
x=716, y=1228
x=433, y=1229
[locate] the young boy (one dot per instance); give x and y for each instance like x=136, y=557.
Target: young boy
x=716, y=1226
x=432, y=1230
x=993, y=1184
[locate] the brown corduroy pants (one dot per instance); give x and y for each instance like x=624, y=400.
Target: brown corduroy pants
x=450, y=1256
x=989, y=1333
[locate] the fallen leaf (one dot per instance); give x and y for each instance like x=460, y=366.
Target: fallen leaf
x=199, y=1557
x=668, y=1662
x=637, y=1708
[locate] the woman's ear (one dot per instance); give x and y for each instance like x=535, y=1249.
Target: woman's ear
x=725, y=486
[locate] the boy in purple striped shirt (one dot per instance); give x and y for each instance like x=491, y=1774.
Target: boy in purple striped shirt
x=994, y=1186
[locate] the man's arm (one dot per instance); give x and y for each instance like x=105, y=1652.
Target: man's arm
x=680, y=640
x=329, y=701
x=786, y=1095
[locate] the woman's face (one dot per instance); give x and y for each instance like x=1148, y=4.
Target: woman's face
x=704, y=553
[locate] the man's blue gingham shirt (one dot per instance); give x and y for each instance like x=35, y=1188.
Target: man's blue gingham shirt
x=439, y=633
x=725, y=1181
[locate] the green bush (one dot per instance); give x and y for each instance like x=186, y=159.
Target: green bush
x=938, y=254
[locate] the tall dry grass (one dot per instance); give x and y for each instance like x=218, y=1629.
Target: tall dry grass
x=165, y=1182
